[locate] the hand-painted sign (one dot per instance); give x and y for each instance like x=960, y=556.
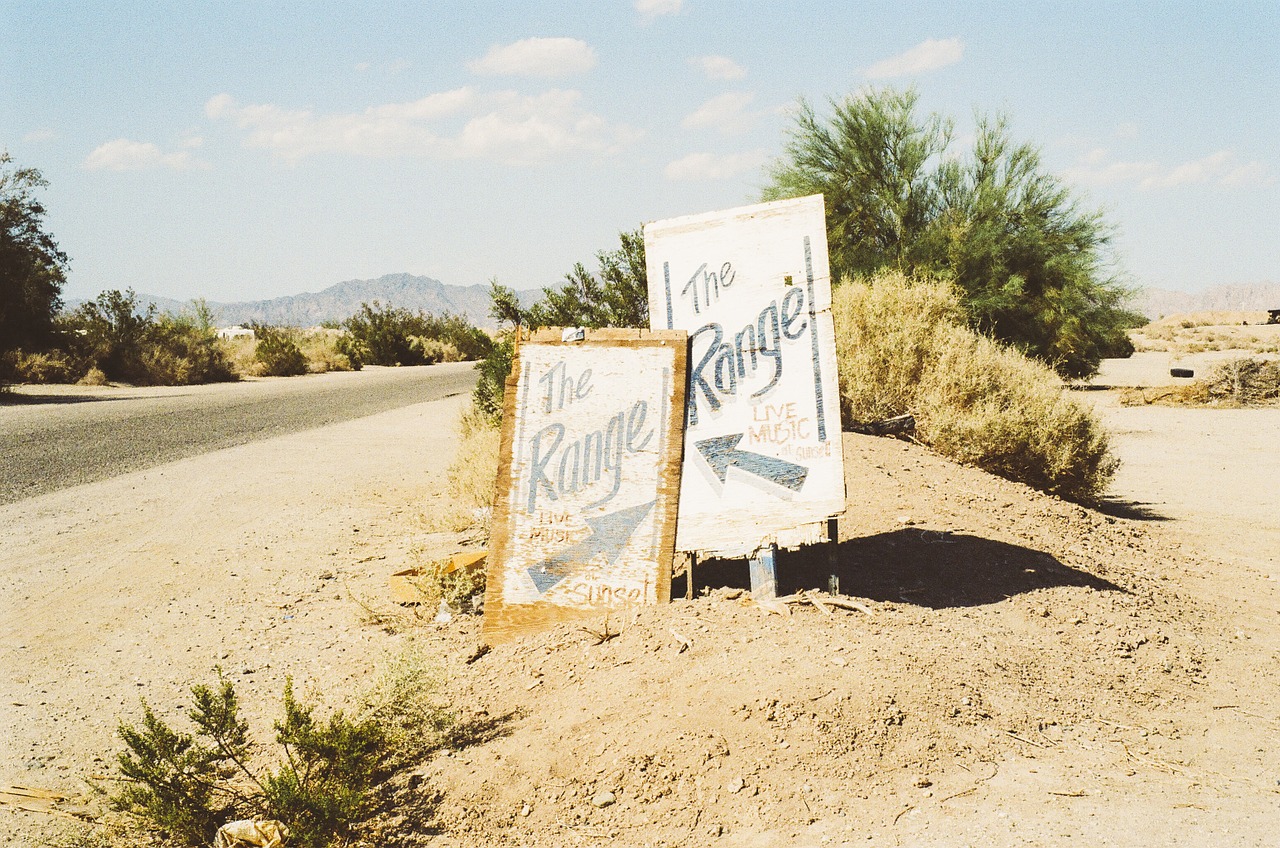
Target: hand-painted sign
x=584, y=520
x=763, y=462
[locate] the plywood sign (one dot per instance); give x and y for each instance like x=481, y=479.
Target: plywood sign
x=584, y=519
x=751, y=285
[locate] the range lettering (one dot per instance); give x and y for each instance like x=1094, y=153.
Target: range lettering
x=726, y=363
x=560, y=465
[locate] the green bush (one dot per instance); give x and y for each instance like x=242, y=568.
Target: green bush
x=903, y=347
x=1033, y=268
x=115, y=335
x=325, y=785
x=277, y=354
x=385, y=335
x=487, y=397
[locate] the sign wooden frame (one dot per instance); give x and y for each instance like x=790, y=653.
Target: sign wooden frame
x=764, y=462
x=584, y=517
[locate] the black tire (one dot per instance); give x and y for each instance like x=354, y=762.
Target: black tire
x=1181, y=372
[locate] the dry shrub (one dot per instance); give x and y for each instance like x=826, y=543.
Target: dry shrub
x=903, y=347
x=322, y=346
x=52, y=367
x=472, y=477
x=93, y=377
x=240, y=352
x=435, y=350
x=1237, y=382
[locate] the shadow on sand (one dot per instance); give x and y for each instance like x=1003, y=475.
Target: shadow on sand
x=928, y=568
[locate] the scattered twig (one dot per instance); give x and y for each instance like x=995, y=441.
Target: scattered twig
x=903, y=812
x=995, y=769
x=1069, y=794
x=1025, y=740
x=960, y=794
x=477, y=654
x=816, y=601
x=823, y=601
x=849, y=603
x=602, y=636
x=1161, y=765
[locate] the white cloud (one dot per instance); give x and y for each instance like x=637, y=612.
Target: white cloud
x=125, y=155
x=1219, y=168
x=40, y=136
x=726, y=112
x=536, y=57
x=719, y=67
x=709, y=166
x=928, y=55
x=653, y=8
x=501, y=126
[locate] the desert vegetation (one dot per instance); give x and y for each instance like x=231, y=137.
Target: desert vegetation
x=903, y=346
x=1199, y=332
x=1239, y=382
x=114, y=338
x=1032, y=269
x=389, y=335
x=322, y=779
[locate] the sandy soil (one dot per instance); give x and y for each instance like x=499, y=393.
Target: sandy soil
x=1030, y=672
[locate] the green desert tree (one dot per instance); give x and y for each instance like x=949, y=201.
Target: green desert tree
x=32, y=267
x=618, y=297
x=1035, y=269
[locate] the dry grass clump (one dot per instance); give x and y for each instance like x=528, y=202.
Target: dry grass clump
x=468, y=503
x=1246, y=381
x=903, y=347
x=322, y=346
x=52, y=367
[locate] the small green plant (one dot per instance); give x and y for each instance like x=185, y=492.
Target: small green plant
x=179, y=780
x=186, y=784
x=330, y=767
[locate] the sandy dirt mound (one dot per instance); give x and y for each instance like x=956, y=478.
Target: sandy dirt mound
x=1009, y=633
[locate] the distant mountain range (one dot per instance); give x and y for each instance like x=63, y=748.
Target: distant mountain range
x=1239, y=297
x=342, y=300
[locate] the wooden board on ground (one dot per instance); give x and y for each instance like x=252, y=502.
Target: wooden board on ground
x=763, y=463
x=585, y=515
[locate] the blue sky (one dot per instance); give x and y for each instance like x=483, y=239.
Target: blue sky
x=240, y=150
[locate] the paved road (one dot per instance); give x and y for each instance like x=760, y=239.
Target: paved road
x=56, y=437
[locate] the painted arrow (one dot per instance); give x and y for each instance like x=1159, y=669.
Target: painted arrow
x=722, y=452
x=609, y=535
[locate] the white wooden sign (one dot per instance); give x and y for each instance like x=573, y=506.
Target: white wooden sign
x=584, y=517
x=762, y=461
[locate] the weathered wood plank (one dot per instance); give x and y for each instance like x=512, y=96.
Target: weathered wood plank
x=589, y=478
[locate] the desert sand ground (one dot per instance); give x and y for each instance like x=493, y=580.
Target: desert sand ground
x=1031, y=672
